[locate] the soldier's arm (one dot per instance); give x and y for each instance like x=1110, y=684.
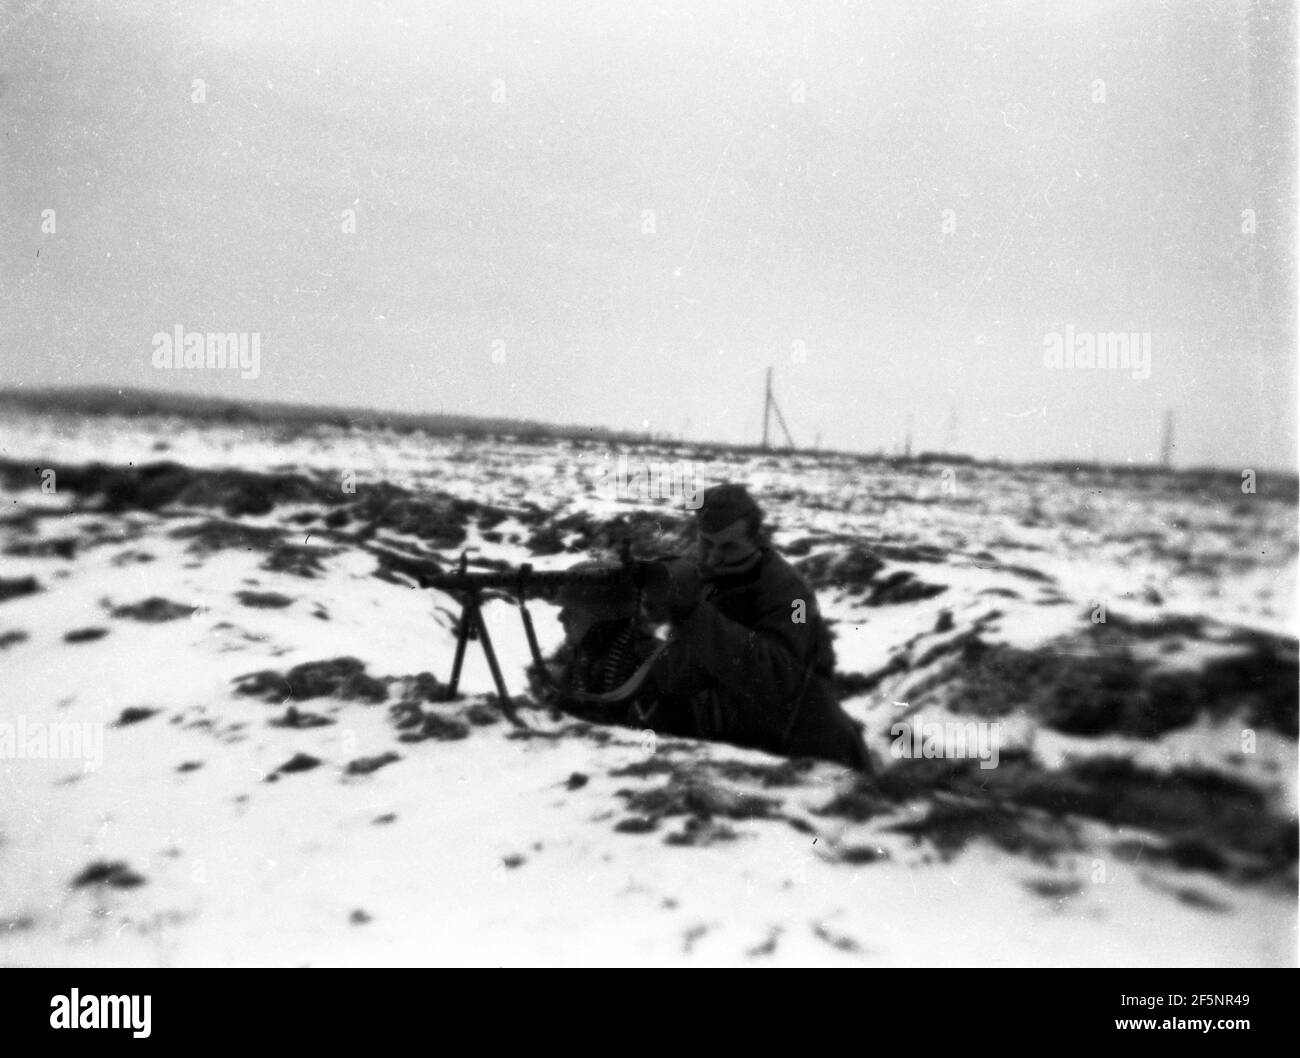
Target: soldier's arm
x=765, y=661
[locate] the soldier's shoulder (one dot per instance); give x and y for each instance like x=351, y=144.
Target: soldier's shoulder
x=780, y=576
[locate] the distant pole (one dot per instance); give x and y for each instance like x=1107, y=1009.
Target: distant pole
x=907, y=438
x=1167, y=446
x=770, y=408
x=767, y=406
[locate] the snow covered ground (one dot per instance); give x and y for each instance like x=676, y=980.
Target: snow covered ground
x=216, y=746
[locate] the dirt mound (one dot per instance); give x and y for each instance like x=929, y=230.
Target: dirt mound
x=439, y=520
x=339, y=678
x=392, y=563
x=423, y=686
x=436, y=518
x=153, y=610
x=264, y=600
x=886, y=551
x=152, y=486
x=17, y=587
x=902, y=586
x=217, y=535
x=448, y=723
x=435, y=726
x=686, y=793
x=300, y=719
x=368, y=765
x=706, y=795
x=299, y=762
x=115, y=874
x=951, y=825
x=854, y=571
x=134, y=714
x=851, y=571
x=84, y=635
x=50, y=547
x=297, y=559
x=1095, y=683
x=281, y=557
x=1228, y=825
x=646, y=532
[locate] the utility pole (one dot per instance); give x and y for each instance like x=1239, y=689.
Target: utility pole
x=1167, y=445
x=767, y=407
x=907, y=438
x=770, y=408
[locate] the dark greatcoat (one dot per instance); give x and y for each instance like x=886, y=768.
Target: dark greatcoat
x=743, y=668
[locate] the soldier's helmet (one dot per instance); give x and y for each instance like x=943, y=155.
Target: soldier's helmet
x=724, y=504
x=604, y=600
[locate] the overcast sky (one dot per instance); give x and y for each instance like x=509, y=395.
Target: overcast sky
x=501, y=159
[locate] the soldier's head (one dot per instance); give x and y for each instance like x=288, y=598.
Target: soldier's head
x=729, y=529
x=584, y=605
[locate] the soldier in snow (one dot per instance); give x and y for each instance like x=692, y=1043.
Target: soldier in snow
x=749, y=656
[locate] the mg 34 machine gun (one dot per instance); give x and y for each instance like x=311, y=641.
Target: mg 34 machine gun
x=468, y=586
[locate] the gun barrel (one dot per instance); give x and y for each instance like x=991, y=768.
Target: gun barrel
x=526, y=577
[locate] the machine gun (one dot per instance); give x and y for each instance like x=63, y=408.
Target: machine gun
x=468, y=587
